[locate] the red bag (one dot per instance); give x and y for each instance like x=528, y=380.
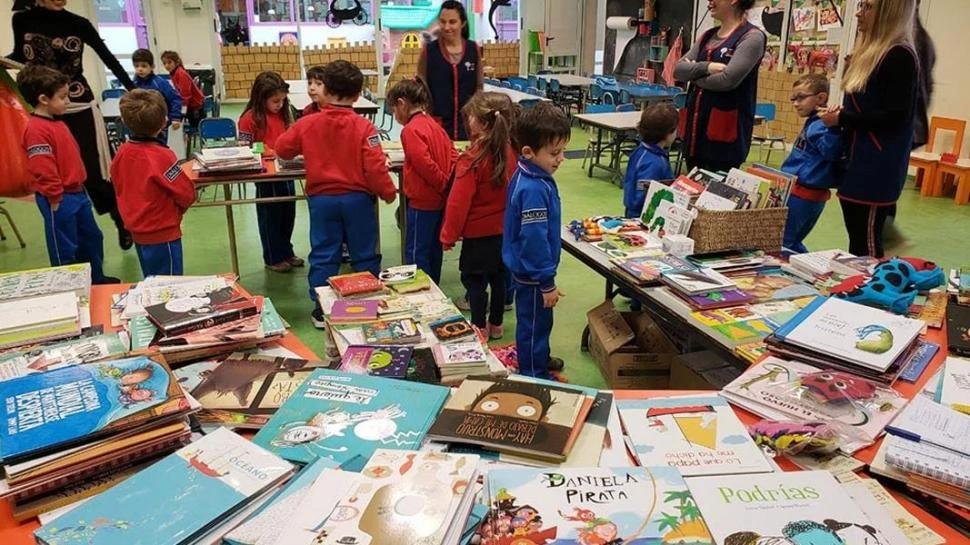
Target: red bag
x=16, y=179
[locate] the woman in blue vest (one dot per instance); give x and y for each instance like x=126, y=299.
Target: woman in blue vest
x=877, y=116
x=722, y=69
x=452, y=67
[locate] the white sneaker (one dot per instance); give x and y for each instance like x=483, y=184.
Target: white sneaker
x=462, y=303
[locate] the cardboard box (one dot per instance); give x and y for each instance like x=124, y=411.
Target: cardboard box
x=630, y=348
x=701, y=371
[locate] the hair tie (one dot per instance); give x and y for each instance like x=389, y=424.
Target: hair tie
x=497, y=113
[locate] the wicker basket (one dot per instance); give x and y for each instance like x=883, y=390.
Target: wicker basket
x=721, y=230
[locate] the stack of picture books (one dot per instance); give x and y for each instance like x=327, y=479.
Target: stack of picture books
x=831, y=333
x=191, y=318
x=73, y=431
x=393, y=324
x=705, y=288
x=40, y=306
x=758, y=186
x=815, y=266
x=211, y=161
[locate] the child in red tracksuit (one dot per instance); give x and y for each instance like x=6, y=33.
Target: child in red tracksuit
x=314, y=88
x=265, y=118
x=54, y=162
x=476, y=207
x=192, y=97
x=429, y=157
x=345, y=171
x=153, y=192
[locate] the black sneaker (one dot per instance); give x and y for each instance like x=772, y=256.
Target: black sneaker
x=124, y=239
x=555, y=364
x=108, y=280
x=317, y=318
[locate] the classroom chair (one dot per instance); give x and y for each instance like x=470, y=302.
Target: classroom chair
x=625, y=97
x=767, y=111
x=626, y=107
x=680, y=100
x=533, y=81
x=529, y=103
x=506, y=84
x=565, y=99
x=596, y=92
x=518, y=87
x=608, y=98
x=543, y=86
x=595, y=109
x=113, y=93
x=215, y=132
x=961, y=178
x=927, y=161
x=5, y=213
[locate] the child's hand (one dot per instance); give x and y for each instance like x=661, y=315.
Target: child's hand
x=55, y=206
x=387, y=162
x=390, y=199
x=716, y=67
x=551, y=298
x=447, y=247
x=176, y=125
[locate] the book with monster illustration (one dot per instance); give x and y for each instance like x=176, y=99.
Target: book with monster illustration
x=628, y=505
x=340, y=415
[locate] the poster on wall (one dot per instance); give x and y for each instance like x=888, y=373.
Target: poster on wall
x=828, y=17
x=289, y=38
x=803, y=18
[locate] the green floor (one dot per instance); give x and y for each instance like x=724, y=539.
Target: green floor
x=205, y=243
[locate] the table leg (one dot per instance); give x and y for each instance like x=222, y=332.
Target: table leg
x=403, y=217
x=231, y=226
x=595, y=159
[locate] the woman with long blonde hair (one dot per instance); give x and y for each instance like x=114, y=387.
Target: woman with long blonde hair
x=876, y=116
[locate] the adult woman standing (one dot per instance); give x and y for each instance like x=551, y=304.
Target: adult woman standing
x=876, y=116
x=452, y=67
x=47, y=34
x=722, y=68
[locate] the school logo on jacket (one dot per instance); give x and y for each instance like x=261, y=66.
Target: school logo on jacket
x=534, y=215
x=470, y=66
x=173, y=171
x=39, y=149
x=374, y=141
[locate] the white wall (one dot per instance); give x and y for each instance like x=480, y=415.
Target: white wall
x=947, y=21
x=190, y=32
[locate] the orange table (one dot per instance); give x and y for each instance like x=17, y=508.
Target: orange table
x=12, y=533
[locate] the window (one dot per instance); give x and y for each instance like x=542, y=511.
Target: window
x=111, y=11
x=312, y=11
x=266, y=11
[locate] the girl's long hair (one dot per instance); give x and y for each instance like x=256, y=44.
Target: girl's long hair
x=496, y=114
x=893, y=25
x=414, y=91
x=265, y=86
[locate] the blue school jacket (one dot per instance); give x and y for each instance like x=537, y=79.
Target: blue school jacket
x=172, y=99
x=531, y=247
x=815, y=155
x=647, y=162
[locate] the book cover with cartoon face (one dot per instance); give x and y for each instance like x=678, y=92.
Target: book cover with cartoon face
x=789, y=508
x=511, y=415
x=591, y=506
x=341, y=415
x=45, y=411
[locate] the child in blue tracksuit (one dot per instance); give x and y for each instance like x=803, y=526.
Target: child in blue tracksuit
x=145, y=78
x=658, y=130
x=813, y=158
x=531, y=247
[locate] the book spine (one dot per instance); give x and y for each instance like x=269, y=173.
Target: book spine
x=188, y=326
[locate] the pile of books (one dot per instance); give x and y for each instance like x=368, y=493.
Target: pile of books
x=189, y=318
x=831, y=333
x=396, y=325
x=73, y=431
x=705, y=288
x=210, y=161
x=758, y=186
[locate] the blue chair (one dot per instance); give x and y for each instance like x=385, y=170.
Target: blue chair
x=506, y=84
x=533, y=91
x=596, y=109
x=626, y=107
x=608, y=98
x=529, y=103
x=543, y=86
x=595, y=94
x=217, y=132
x=764, y=114
x=112, y=93
x=518, y=87
x=600, y=108
x=518, y=80
x=564, y=99
x=680, y=100
x=625, y=96
x=533, y=81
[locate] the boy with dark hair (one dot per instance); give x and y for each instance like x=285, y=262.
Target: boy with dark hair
x=531, y=247
x=344, y=177
x=54, y=162
x=314, y=87
x=153, y=192
x=813, y=158
x=145, y=78
x=658, y=129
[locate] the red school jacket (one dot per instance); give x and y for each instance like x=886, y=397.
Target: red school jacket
x=342, y=153
x=476, y=208
x=429, y=157
x=275, y=126
x=53, y=158
x=191, y=95
x=153, y=192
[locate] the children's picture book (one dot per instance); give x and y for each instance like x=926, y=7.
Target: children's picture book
x=420, y=282
x=647, y=269
x=686, y=185
x=340, y=415
x=744, y=332
x=958, y=329
x=305, y=525
x=380, y=361
x=920, y=359
x=717, y=299
x=697, y=281
x=354, y=310
x=53, y=410
x=596, y=505
x=176, y=500
x=398, y=331
x=721, y=316
x=817, y=263
x=772, y=285
x=243, y=390
x=458, y=353
x=19, y=284
x=705, y=177
x=39, y=318
x=347, y=285
x=185, y=314
x=699, y=435
x=657, y=193
x=786, y=390
x=423, y=368
x=930, y=308
x=398, y=274
x=852, y=332
x=452, y=328
x=729, y=260
x=781, y=183
x=720, y=196
x=798, y=507
x=755, y=186
x=71, y=352
x=671, y=219
x=955, y=388
x=405, y=497
x=514, y=416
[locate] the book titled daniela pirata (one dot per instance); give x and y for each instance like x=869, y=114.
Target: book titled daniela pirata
x=176, y=500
